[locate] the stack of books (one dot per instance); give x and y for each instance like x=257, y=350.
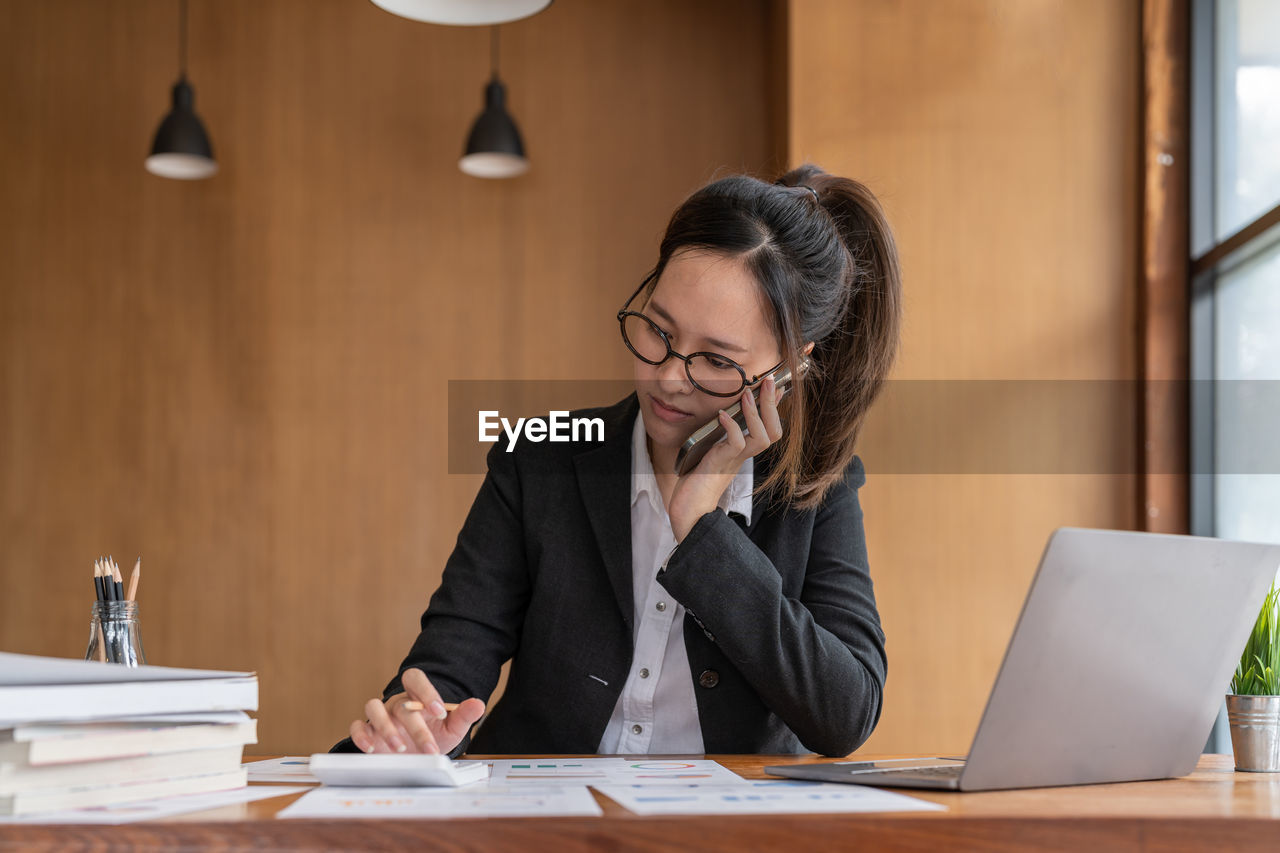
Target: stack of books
x=77, y=734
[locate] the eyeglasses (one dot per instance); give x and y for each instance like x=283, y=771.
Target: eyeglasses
x=710, y=372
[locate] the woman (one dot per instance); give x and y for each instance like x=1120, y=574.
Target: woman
x=729, y=610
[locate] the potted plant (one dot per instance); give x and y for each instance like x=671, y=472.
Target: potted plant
x=1253, y=706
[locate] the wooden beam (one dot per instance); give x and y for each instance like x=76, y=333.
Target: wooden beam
x=1236, y=241
x=1163, y=306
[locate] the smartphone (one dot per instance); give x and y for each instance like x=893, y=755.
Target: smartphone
x=696, y=446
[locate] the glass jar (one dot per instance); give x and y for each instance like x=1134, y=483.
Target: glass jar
x=114, y=635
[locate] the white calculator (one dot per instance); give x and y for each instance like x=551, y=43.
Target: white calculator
x=395, y=770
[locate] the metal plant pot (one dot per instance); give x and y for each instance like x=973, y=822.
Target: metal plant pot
x=1255, y=732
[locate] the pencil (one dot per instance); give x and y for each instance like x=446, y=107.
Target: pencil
x=109, y=582
x=108, y=588
x=133, y=580
x=103, y=589
x=119, y=581
x=417, y=706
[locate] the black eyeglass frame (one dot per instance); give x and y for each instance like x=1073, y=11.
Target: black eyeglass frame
x=623, y=313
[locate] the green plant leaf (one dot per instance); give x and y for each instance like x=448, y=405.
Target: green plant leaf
x=1258, y=673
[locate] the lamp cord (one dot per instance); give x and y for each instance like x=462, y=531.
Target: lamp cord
x=493, y=52
x=182, y=39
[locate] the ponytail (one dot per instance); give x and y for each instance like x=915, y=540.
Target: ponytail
x=849, y=365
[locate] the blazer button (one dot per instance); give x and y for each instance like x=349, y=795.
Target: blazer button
x=709, y=678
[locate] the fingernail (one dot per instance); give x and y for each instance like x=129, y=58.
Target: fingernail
x=430, y=748
x=399, y=745
x=437, y=710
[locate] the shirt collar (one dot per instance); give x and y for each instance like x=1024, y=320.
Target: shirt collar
x=736, y=498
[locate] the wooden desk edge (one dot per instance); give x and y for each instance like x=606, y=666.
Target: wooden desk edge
x=1009, y=820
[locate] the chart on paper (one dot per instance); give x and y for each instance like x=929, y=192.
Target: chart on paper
x=761, y=797
x=580, y=772
x=612, y=771
x=160, y=808
x=467, y=801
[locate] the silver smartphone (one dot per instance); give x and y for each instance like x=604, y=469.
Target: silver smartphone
x=696, y=445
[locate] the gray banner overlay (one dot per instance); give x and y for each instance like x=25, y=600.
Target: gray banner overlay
x=930, y=426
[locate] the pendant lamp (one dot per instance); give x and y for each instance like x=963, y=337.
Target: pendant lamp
x=463, y=12
x=181, y=148
x=494, y=148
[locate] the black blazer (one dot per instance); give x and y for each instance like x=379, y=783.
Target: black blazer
x=782, y=633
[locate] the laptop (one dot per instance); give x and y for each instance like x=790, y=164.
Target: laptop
x=1116, y=670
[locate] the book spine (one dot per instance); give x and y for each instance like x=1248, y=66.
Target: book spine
x=56, y=777
x=104, y=701
x=151, y=741
x=35, y=802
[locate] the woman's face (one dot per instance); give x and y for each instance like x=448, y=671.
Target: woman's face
x=705, y=302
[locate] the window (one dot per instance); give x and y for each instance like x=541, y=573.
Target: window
x=1246, y=68
x=1236, y=269
x=1235, y=265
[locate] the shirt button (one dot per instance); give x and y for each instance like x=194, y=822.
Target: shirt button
x=637, y=729
x=644, y=673
x=709, y=678
x=661, y=605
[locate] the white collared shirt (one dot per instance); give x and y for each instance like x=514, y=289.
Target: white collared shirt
x=657, y=711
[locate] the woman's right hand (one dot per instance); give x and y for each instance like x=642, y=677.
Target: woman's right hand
x=425, y=726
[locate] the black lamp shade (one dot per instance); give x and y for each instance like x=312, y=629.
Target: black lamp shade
x=181, y=148
x=494, y=148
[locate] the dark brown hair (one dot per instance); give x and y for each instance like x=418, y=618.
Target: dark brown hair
x=829, y=267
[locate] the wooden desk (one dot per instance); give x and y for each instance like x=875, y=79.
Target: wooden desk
x=1214, y=808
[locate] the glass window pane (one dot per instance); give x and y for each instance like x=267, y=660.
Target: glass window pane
x=1247, y=365
x=1248, y=104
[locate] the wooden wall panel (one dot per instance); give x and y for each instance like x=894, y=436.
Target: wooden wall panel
x=1003, y=138
x=244, y=380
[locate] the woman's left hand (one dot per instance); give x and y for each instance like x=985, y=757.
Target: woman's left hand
x=698, y=492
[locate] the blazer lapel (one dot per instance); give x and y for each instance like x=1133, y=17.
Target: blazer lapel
x=604, y=477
